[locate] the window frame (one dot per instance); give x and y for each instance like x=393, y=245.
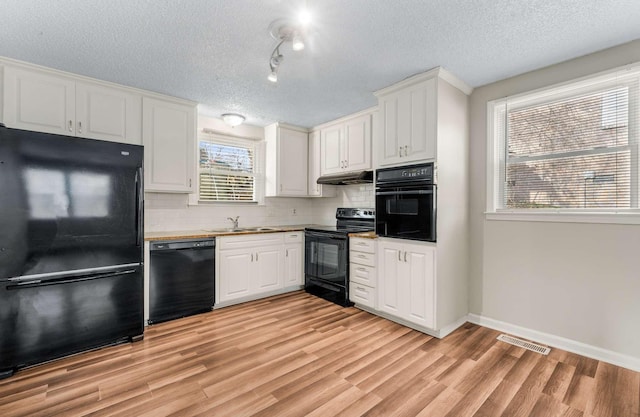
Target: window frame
x=211, y=135
x=496, y=150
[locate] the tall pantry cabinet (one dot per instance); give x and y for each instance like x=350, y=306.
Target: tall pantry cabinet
x=425, y=119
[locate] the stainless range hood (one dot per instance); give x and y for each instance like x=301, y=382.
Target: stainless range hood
x=356, y=177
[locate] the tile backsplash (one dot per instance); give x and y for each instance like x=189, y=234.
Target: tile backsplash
x=168, y=212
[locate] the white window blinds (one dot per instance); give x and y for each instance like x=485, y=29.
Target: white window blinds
x=570, y=147
x=227, y=169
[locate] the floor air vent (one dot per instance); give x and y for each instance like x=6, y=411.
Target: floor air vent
x=524, y=344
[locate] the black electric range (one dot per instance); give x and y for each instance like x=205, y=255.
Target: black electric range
x=327, y=254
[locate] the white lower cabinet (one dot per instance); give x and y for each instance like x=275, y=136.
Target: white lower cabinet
x=268, y=268
x=406, y=281
x=250, y=265
x=362, y=271
x=293, y=259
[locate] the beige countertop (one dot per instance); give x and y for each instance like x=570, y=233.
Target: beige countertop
x=214, y=232
x=365, y=235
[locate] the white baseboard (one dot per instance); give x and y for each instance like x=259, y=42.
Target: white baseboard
x=569, y=345
x=446, y=330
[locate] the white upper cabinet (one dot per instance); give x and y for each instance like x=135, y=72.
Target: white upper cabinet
x=414, y=116
x=346, y=145
x=408, y=124
x=47, y=102
x=286, y=161
x=169, y=145
x=314, y=189
x=332, y=150
x=108, y=114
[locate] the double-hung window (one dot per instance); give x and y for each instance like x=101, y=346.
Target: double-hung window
x=227, y=169
x=569, y=148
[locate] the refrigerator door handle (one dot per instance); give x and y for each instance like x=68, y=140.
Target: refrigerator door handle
x=67, y=280
x=139, y=206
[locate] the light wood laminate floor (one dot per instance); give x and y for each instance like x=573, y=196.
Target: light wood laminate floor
x=298, y=355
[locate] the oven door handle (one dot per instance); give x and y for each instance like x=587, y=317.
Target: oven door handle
x=404, y=192
x=325, y=236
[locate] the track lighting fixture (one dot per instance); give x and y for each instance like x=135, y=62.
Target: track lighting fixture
x=283, y=30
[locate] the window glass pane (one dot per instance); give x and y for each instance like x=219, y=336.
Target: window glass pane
x=226, y=157
x=227, y=170
x=570, y=153
x=579, y=123
x=593, y=181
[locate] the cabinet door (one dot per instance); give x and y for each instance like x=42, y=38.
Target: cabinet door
x=331, y=157
x=357, y=140
x=419, y=296
x=408, y=124
x=168, y=133
x=292, y=162
x=390, y=112
x=235, y=271
x=420, y=142
x=39, y=102
x=314, y=189
x=108, y=114
x=268, y=269
x=389, y=278
x=293, y=272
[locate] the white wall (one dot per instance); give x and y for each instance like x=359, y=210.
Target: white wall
x=171, y=212
x=577, y=281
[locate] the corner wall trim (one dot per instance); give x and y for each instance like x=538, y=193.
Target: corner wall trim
x=569, y=345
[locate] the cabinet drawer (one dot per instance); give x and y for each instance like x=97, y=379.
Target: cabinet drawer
x=250, y=240
x=362, y=258
x=362, y=294
x=293, y=237
x=362, y=274
x=362, y=245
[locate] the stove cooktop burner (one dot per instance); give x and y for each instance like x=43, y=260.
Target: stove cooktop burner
x=350, y=220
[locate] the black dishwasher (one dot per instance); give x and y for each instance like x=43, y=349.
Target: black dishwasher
x=181, y=278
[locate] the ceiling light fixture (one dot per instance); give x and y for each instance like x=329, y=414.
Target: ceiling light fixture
x=233, y=119
x=283, y=30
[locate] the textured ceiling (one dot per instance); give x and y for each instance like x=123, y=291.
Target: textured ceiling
x=217, y=52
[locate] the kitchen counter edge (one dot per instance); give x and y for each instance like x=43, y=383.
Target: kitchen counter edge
x=200, y=234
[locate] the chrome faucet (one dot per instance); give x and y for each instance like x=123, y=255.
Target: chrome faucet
x=235, y=221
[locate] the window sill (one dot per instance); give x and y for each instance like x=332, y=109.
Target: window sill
x=626, y=217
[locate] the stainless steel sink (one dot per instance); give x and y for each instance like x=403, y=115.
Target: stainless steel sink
x=242, y=229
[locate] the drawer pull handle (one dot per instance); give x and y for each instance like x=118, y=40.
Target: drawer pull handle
x=362, y=269
x=360, y=288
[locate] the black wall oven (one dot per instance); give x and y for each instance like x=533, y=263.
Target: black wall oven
x=406, y=202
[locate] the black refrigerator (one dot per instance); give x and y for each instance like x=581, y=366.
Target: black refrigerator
x=71, y=250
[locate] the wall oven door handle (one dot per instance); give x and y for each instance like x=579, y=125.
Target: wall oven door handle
x=324, y=236
x=404, y=192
